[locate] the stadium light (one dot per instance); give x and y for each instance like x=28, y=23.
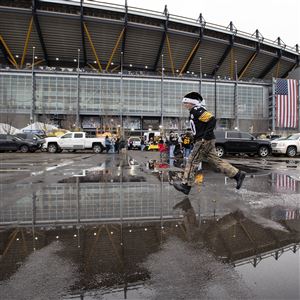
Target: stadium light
x=56, y=58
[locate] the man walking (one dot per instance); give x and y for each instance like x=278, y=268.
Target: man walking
x=202, y=125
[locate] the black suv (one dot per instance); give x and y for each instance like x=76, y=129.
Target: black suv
x=13, y=143
x=31, y=137
x=235, y=142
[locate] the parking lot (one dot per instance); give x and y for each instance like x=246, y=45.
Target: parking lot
x=114, y=225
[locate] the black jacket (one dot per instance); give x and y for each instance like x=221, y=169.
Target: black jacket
x=202, y=123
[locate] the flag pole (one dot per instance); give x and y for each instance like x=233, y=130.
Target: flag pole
x=298, y=101
x=273, y=103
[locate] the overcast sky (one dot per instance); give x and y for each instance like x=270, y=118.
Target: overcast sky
x=273, y=18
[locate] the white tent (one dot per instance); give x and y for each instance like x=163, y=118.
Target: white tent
x=39, y=128
x=8, y=129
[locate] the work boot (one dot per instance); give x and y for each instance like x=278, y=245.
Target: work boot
x=239, y=177
x=182, y=187
x=185, y=204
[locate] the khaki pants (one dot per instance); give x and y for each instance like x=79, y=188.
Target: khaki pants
x=206, y=150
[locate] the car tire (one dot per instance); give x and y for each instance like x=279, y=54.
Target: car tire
x=97, y=148
x=24, y=148
x=291, y=151
x=52, y=148
x=263, y=151
x=220, y=151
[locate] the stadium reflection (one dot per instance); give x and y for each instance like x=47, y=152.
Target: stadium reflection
x=110, y=224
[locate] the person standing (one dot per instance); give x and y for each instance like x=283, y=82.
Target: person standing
x=107, y=143
x=187, y=144
x=173, y=141
x=202, y=123
x=142, y=143
x=117, y=145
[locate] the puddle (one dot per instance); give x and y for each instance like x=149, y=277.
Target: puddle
x=103, y=173
x=116, y=256
x=105, y=176
x=128, y=233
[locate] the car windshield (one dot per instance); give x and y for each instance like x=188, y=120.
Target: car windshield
x=18, y=138
x=135, y=139
x=36, y=136
x=293, y=137
x=279, y=139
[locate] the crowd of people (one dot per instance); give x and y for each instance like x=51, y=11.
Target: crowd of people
x=174, y=144
x=113, y=144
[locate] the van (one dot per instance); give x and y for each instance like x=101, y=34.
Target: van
x=151, y=135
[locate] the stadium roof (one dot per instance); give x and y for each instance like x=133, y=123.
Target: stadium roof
x=149, y=41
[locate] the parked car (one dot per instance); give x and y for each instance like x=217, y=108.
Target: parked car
x=289, y=145
x=134, y=142
x=14, y=143
x=74, y=141
x=31, y=137
x=234, y=142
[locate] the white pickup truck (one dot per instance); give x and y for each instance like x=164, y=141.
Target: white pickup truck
x=74, y=141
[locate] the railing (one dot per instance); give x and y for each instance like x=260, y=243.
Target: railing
x=180, y=19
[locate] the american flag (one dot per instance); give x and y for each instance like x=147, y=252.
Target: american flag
x=284, y=182
x=286, y=96
x=291, y=214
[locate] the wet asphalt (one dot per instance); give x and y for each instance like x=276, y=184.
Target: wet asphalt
x=111, y=226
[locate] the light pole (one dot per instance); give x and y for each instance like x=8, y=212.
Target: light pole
x=162, y=91
x=200, y=76
x=236, y=104
x=217, y=67
x=32, y=111
x=77, y=104
x=121, y=98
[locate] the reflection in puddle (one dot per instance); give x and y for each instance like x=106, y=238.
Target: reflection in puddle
x=125, y=254
x=128, y=234
x=103, y=176
x=107, y=173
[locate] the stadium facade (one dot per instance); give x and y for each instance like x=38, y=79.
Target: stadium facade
x=97, y=65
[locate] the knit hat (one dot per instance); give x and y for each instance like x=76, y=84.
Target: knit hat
x=192, y=98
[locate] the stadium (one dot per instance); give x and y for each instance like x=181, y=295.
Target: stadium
x=100, y=66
